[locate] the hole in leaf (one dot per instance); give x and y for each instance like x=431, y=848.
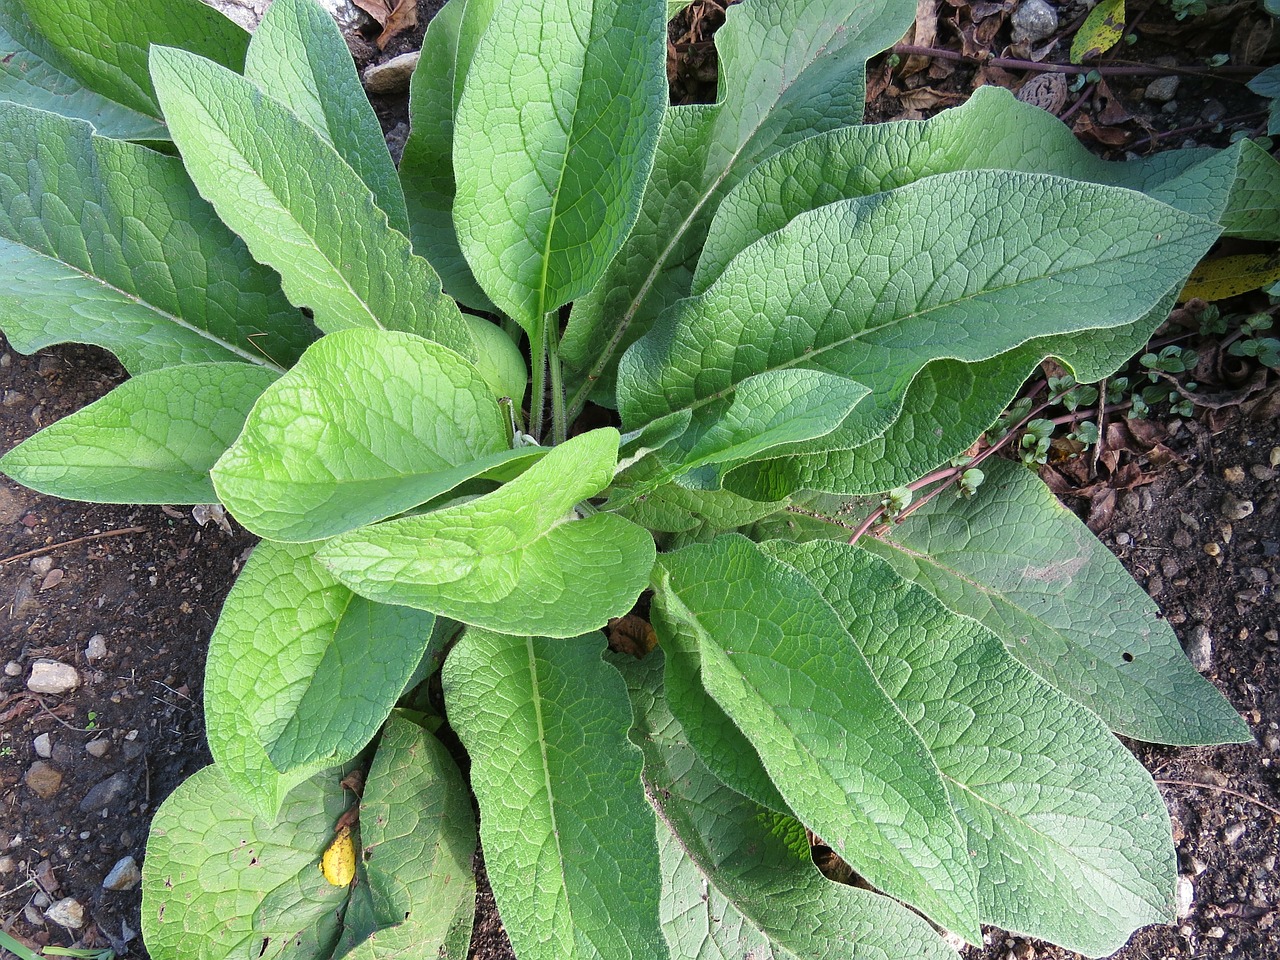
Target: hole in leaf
x=265, y=941
x=1127, y=657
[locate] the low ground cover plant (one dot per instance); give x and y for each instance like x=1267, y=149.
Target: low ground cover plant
x=383, y=373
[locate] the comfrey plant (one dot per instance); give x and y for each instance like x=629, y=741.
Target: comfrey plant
x=785, y=309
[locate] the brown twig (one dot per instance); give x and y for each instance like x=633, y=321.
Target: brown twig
x=1196, y=127
x=1104, y=70
x=1214, y=786
x=71, y=543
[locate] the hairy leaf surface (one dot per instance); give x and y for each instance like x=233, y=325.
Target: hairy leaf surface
x=550, y=155
x=1020, y=563
x=153, y=439
x=368, y=424
x=426, y=168
x=737, y=878
x=788, y=70
x=568, y=839
x=222, y=883
x=514, y=560
x=777, y=659
x=32, y=74
x=106, y=242
x=299, y=206
x=301, y=672
x=1061, y=821
x=105, y=42
x=298, y=57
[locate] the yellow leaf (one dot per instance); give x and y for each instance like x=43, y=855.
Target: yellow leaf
x=339, y=861
x=1101, y=31
x=1224, y=277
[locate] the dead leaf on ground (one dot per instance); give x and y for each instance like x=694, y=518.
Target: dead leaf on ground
x=924, y=33
x=394, y=20
x=633, y=635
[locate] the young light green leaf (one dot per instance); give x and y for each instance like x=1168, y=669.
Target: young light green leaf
x=212, y=861
x=788, y=70
x=1020, y=563
x=737, y=878
x=418, y=836
x=426, y=167
x=568, y=838
x=778, y=661
x=301, y=673
x=514, y=560
x=299, y=206
x=1069, y=834
x=153, y=439
x=298, y=57
x=105, y=42
x=221, y=882
x=32, y=74
x=965, y=266
x=71, y=204
x=550, y=159
x=368, y=424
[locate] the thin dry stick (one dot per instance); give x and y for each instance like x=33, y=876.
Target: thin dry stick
x=71, y=543
x=1105, y=70
x=1214, y=786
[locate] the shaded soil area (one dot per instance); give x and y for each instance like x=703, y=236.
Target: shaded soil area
x=125, y=597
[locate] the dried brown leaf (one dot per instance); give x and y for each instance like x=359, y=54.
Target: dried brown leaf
x=403, y=17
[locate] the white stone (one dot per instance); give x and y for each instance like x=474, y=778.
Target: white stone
x=97, y=748
x=1184, y=896
x=67, y=912
x=125, y=875
x=43, y=746
x=392, y=76
x=50, y=676
x=13, y=669
x=97, y=648
x=1033, y=21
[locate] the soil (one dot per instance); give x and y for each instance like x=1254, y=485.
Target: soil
x=127, y=596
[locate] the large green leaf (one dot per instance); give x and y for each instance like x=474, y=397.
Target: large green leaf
x=107, y=242
x=222, y=883
x=301, y=672
x=553, y=142
x=1254, y=210
x=777, y=659
x=1069, y=834
x=368, y=424
x=284, y=188
x=966, y=266
x=105, y=42
x=32, y=74
x=737, y=878
x=1017, y=561
x=298, y=57
x=153, y=439
x=788, y=69
x=514, y=560
x=991, y=131
x=426, y=167
x=568, y=838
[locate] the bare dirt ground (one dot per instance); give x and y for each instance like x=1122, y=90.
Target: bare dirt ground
x=127, y=596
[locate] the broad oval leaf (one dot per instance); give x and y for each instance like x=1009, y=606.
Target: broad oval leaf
x=368, y=424
x=301, y=672
x=788, y=69
x=1020, y=563
x=153, y=439
x=553, y=142
x=1069, y=834
x=568, y=838
x=738, y=880
x=515, y=560
x=221, y=882
x=298, y=57
x=777, y=659
x=105, y=42
x=300, y=208
x=32, y=74
x=186, y=291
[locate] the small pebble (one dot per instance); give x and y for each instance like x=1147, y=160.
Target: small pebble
x=1033, y=21
x=394, y=75
x=1261, y=471
x=44, y=779
x=1233, y=832
x=1212, y=549
x=41, y=900
x=125, y=875
x=1200, y=648
x=1274, y=456
x=41, y=565
x=97, y=748
x=1184, y=896
x=1215, y=933
x=97, y=648
x=33, y=915
x=13, y=669
x=7, y=865
x=1233, y=474
x=67, y=912
x=1123, y=539
x=1235, y=508
x=106, y=793
x=1163, y=89
x=43, y=746
x=50, y=676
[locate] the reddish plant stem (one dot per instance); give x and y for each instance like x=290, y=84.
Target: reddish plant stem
x=1104, y=70
x=1194, y=128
